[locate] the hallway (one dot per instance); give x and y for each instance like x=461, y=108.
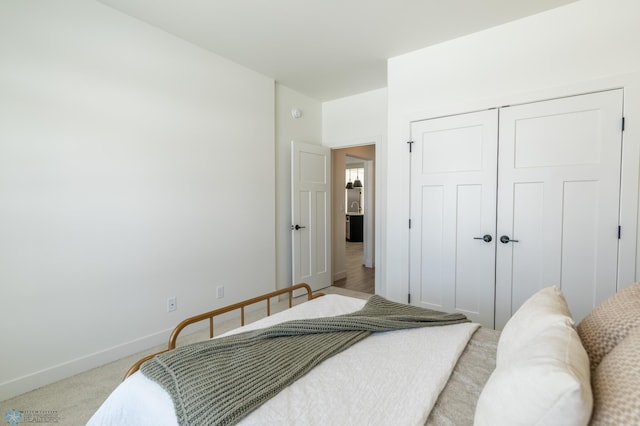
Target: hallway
x=358, y=277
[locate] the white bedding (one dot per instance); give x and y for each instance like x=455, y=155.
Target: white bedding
x=388, y=378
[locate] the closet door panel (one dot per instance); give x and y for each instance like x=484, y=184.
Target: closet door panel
x=560, y=139
x=435, y=252
x=528, y=225
x=571, y=147
x=468, y=222
x=453, y=199
x=579, y=271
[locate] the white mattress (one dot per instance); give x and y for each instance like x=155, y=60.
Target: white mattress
x=388, y=378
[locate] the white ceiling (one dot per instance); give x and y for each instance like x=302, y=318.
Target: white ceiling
x=326, y=49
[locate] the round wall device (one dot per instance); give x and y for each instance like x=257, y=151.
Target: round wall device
x=296, y=113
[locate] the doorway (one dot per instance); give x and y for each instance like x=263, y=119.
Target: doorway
x=353, y=172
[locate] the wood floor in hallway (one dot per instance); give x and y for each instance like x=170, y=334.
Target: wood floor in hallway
x=359, y=278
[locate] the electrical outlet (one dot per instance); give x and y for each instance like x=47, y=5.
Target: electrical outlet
x=172, y=304
x=219, y=292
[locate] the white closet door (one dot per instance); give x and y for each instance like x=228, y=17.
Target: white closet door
x=453, y=202
x=558, y=196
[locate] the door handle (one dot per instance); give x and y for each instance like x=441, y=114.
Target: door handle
x=486, y=238
x=505, y=239
x=297, y=227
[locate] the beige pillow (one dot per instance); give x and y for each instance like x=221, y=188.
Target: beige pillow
x=616, y=384
x=543, y=374
x=609, y=323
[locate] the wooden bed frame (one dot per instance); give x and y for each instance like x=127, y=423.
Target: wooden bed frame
x=211, y=314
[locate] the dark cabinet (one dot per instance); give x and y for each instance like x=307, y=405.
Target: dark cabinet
x=355, y=225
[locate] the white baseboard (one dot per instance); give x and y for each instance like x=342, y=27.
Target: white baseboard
x=368, y=262
x=29, y=382
x=339, y=275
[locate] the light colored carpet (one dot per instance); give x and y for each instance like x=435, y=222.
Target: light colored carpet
x=73, y=401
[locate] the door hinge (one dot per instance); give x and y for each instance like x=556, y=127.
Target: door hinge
x=623, y=124
x=409, y=298
x=410, y=146
x=619, y=231
x=409, y=223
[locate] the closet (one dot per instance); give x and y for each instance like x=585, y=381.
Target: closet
x=513, y=199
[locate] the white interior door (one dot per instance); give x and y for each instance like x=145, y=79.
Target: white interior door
x=453, y=208
x=558, y=199
x=311, y=214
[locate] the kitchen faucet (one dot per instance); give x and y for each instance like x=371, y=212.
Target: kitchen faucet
x=357, y=204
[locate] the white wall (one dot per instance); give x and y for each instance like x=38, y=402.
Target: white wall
x=354, y=121
x=133, y=167
x=584, y=46
x=308, y=129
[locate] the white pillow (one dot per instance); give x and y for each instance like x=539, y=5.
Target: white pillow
x=548, y=306
x=543, y=374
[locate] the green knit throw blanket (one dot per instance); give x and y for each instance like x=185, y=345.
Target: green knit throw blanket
x=220, y=381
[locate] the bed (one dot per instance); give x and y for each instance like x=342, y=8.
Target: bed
x=541, y=369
